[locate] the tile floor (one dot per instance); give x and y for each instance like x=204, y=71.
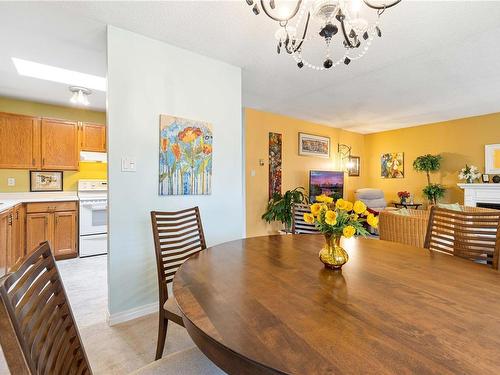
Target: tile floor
x=111, y=350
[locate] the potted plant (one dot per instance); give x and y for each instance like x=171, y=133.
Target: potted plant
x=279, y=207
x=470, y=173
x=337, y=220
x=403, y=196
x=430, y=163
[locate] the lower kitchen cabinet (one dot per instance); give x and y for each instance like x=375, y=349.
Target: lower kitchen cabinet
x=17, y=244
x=55, y=222
x=5, y=240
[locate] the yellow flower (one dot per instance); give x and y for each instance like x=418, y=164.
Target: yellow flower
x=348, y=206
x=340, y=204
x=355, y=217
x=309, y=218
x=372, y=220
x=348, y=231
x=366, y=213
x=323, y=207
x=331, y=217
x=315, y=209
x=359, y=207
x=324, y=199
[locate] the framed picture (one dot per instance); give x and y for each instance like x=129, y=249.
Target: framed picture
x=46, y=181
x=275, y=146
x=492, y=159
x=392, y=165
x=186, y=148
x=314, y=145
x=354, y=166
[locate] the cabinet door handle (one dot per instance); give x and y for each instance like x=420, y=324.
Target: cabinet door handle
x=33, y=161
x=43, y=161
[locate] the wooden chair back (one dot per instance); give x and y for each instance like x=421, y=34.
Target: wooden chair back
x=473, y=235
x=177, y=236
x=38, y=330
x=299, y=226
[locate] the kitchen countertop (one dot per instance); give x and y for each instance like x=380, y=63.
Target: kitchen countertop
x=9, y=200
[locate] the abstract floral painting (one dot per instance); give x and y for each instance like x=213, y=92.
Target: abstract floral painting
x=392, y=165
x=274, y=164
x=185, y=156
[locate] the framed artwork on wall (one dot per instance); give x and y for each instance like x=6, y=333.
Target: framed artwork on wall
x=392, y=165
x=46, y=181
x=492, y=159
x=354, y=166
x=275, y=158
x=185, y=156
x=314, y=145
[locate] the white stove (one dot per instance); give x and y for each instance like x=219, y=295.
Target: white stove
x=93, y=196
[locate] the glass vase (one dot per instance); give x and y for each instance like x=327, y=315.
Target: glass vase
x=332, y=254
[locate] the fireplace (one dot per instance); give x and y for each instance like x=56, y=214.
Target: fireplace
x=495, y=206
x=481, y=195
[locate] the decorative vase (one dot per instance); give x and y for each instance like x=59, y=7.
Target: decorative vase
x=403, y=200
x=469, y=180
x=332, y=254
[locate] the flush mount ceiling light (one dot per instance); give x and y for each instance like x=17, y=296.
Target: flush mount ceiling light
x=320, y=21
x=80, y=95
x=52, y=73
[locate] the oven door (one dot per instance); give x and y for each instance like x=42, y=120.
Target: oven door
x=93, y=217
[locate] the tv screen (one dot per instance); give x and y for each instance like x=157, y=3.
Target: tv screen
x=330, y=183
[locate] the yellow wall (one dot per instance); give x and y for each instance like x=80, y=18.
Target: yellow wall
x=295, y=168
x=458, y=141
x=87, y=170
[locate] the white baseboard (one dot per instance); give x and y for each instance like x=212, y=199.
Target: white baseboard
x=136, y=312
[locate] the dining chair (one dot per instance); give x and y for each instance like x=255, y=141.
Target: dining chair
x=471, y=235
x=38, y=333
x=299, y=226
x=177, y=236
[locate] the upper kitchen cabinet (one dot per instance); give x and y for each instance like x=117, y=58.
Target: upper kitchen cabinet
x=59, y=144
x=93, y=137
x=19, y=141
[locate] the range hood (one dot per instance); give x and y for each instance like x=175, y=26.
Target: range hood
x=96, y=157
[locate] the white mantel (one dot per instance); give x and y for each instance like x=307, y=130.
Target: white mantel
x=483, y=193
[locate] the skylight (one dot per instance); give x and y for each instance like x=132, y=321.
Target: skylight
x=55, y=74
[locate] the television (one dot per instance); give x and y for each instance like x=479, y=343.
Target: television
x=330, y=183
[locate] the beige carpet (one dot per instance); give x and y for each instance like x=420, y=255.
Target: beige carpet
x=120, y=349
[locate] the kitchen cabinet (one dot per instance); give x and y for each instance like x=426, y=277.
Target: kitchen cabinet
x=5, y=240
x=92, y=137
x=19, y=141
x=55, y=222
x=59, y=145
x=17, y=243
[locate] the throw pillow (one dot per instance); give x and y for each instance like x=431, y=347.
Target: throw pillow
x=450, y=206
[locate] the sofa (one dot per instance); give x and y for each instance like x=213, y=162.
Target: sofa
x=373, y=198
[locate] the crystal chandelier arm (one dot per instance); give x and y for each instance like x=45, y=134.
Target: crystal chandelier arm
x=304, y=33
x=380, y=7
x=284, y=19
x=342, y=26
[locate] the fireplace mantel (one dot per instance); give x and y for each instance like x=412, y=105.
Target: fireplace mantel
x=480, y=193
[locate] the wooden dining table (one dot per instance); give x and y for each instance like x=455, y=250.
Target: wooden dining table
x=266, y=305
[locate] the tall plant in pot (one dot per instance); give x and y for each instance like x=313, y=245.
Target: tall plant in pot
x=279, y=207
x=428, y=164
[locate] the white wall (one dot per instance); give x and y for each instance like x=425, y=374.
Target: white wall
x=147, y=78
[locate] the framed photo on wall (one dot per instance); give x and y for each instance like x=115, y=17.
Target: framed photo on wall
x=314, y=145
x=492, y=159
x=46, y=181
x=354, y=166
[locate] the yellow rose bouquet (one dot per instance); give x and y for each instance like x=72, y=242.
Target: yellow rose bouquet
x=334, y=220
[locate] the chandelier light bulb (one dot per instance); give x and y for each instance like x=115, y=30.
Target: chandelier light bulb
x=355, y=6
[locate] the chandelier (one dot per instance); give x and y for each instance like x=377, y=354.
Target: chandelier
x=320, y=21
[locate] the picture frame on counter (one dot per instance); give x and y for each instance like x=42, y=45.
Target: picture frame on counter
x=46, y=181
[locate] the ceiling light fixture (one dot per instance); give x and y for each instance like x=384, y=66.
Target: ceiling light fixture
x=52, y=73
x=80, y=95
x=326, y=18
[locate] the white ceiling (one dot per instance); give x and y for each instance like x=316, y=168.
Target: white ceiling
x=437, y=60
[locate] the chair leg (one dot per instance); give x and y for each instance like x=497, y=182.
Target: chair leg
x=162, y=334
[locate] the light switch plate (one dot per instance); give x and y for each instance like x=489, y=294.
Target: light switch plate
x=11, y=181
x=128, y=165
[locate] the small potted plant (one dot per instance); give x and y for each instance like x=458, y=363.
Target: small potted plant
x=470, y=173
x=337, y=220
x=403, y=196
x=279, y=207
